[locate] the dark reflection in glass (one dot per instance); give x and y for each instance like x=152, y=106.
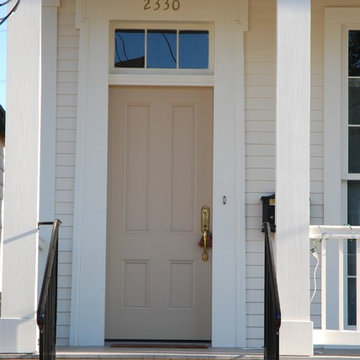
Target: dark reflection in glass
x=161, y=49
x=129, y=48
x=354, y=53
x=193, y=49
x=353, y=208
x=354, y=149
x=352, y=264
x=354, y=101
x=351, y=301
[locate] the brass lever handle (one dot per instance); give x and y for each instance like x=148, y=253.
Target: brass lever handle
x=205, y=229
x=205, y=255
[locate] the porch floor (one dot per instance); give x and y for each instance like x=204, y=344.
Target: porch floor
x=105, y=353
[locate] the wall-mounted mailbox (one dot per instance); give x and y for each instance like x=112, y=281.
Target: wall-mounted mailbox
x=268, y=209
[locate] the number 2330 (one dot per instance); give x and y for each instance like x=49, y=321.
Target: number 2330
x=162, y=5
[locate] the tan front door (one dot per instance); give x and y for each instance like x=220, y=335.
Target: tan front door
x=160, y=175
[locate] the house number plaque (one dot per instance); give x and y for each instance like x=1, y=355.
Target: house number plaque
x=164, y=5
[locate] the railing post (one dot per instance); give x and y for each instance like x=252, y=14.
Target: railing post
x=47, y=308
x=272, y=312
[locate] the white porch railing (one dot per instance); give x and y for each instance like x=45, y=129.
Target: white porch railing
x=331, y=242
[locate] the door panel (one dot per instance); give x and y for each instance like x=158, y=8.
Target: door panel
x=159, y=176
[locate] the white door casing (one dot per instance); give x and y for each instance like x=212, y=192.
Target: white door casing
x=89, y=246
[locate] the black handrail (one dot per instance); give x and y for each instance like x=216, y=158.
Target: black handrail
x=272, y=311
x=46, y=312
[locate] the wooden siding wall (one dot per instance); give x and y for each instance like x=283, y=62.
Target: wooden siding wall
x=68, y=49
x=260, y=66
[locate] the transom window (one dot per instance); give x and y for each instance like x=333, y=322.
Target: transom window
x=161, y=48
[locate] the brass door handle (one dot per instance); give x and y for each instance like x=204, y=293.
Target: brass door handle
x=205, y=229
x=205, y=218
x=205, y=255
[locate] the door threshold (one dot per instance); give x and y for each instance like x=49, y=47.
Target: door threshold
x=159, y=344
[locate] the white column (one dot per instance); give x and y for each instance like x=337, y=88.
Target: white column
x=18, y=330
x=293, y=175
x=48, y=125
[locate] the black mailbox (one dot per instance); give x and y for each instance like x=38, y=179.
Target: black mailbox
x=268, y=208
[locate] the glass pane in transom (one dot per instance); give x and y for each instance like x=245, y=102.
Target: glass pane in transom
x=161, y=49
x=129, y=48
x=193, y=49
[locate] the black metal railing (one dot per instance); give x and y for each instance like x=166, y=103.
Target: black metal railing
x=46, y=312
x=272, y=311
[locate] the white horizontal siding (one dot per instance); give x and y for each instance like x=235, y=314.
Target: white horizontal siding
x=67, y=74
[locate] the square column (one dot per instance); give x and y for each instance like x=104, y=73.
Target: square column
x=18, y=329
x=293, y=175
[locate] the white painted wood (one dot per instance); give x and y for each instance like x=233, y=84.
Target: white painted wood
x=229, y=218
x=48, y=126
x=292, y=167
x=18, y=329
x=88, y=308
x=340, y=338
x=332, y=161
x=161, y=80
x=18, y=335
x=239, y=140
x=340, y=232
x=88, y=257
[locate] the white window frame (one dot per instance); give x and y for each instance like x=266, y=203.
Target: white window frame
x=338, y=21
x=347, y=176
x=129, y=76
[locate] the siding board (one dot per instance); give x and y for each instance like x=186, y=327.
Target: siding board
x=67, y=74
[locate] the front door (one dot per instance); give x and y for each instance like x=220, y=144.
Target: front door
x=159, y=177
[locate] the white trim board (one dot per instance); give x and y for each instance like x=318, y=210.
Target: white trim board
x=89, y=255
x=161, y=80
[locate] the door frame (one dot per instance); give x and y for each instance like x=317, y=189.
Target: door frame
x=87, y=323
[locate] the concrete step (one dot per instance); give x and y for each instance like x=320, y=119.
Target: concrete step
x=111, y=353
